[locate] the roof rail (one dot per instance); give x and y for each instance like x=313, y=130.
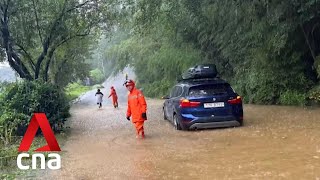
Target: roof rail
x=199, y=79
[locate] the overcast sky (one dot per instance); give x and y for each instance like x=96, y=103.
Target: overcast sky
x=6, y=73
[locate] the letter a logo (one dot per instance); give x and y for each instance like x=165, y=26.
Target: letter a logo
x=39, y=120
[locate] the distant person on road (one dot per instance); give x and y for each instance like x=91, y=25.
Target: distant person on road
x=113, y=93
x=99, y=96
x=126, y=76
x=137, y=108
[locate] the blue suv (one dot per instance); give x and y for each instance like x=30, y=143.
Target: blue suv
x=203, y=103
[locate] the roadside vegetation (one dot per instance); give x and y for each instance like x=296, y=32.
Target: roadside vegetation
x=268, y=50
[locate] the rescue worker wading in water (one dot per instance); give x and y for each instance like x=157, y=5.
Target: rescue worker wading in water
x=137, y=108
x=114, y=97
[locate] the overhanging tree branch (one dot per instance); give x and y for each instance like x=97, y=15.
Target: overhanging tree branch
x=48, y=41
x=37, y=20
x=29, y=57
x=13, y=59
x=308, y=42
x=21, y=66
x=46, y=44
x=79, y=6
x=51, y=52
x=72, y=37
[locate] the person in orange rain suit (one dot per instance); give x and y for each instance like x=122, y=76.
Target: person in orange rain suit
x=137, y=108
x=113, y=93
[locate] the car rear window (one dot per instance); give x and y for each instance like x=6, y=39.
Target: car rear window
x=209, y=90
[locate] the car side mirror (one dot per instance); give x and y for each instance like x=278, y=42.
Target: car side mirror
x=165, y=97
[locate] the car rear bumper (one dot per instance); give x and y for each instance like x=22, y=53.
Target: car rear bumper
x=209, y=122
x=214, y=125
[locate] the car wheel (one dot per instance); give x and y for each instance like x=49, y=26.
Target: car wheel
x=241, y=122
x=176, y=123
x=164, y=114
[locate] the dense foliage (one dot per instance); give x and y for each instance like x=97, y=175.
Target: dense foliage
x=20, y=100
x=268, y=50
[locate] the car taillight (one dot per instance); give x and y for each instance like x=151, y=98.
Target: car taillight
x=236, y=100
x=185, y=103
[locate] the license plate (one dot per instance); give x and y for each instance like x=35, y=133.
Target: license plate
x=213, y=105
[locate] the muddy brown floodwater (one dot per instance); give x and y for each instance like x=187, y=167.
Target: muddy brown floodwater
x=275, y=143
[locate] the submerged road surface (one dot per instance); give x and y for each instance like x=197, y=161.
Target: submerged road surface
x=275, y=143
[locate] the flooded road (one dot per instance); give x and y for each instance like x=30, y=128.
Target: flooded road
x=275, y=143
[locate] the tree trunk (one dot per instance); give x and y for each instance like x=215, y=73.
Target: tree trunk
x=308, y=42
x=46, y=45
x=13, y=59
x=41, y=58
x=46, y=71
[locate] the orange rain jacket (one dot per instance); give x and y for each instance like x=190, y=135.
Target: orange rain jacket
x=114, y=96
x=136, y=105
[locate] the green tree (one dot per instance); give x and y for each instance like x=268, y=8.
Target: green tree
x=264, y=48
x=32, y=31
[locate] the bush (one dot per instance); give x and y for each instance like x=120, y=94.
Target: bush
x=74, y=90
x=20, y=100
x=97, y=76
x=317, y=65
x=157, y=88
x=292, y=98
x=9, y=122
x=314, y=95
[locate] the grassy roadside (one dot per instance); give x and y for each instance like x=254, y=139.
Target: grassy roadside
x=9, y=152
x=75, y=90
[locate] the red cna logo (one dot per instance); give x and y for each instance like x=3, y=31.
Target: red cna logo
x=39, y=120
